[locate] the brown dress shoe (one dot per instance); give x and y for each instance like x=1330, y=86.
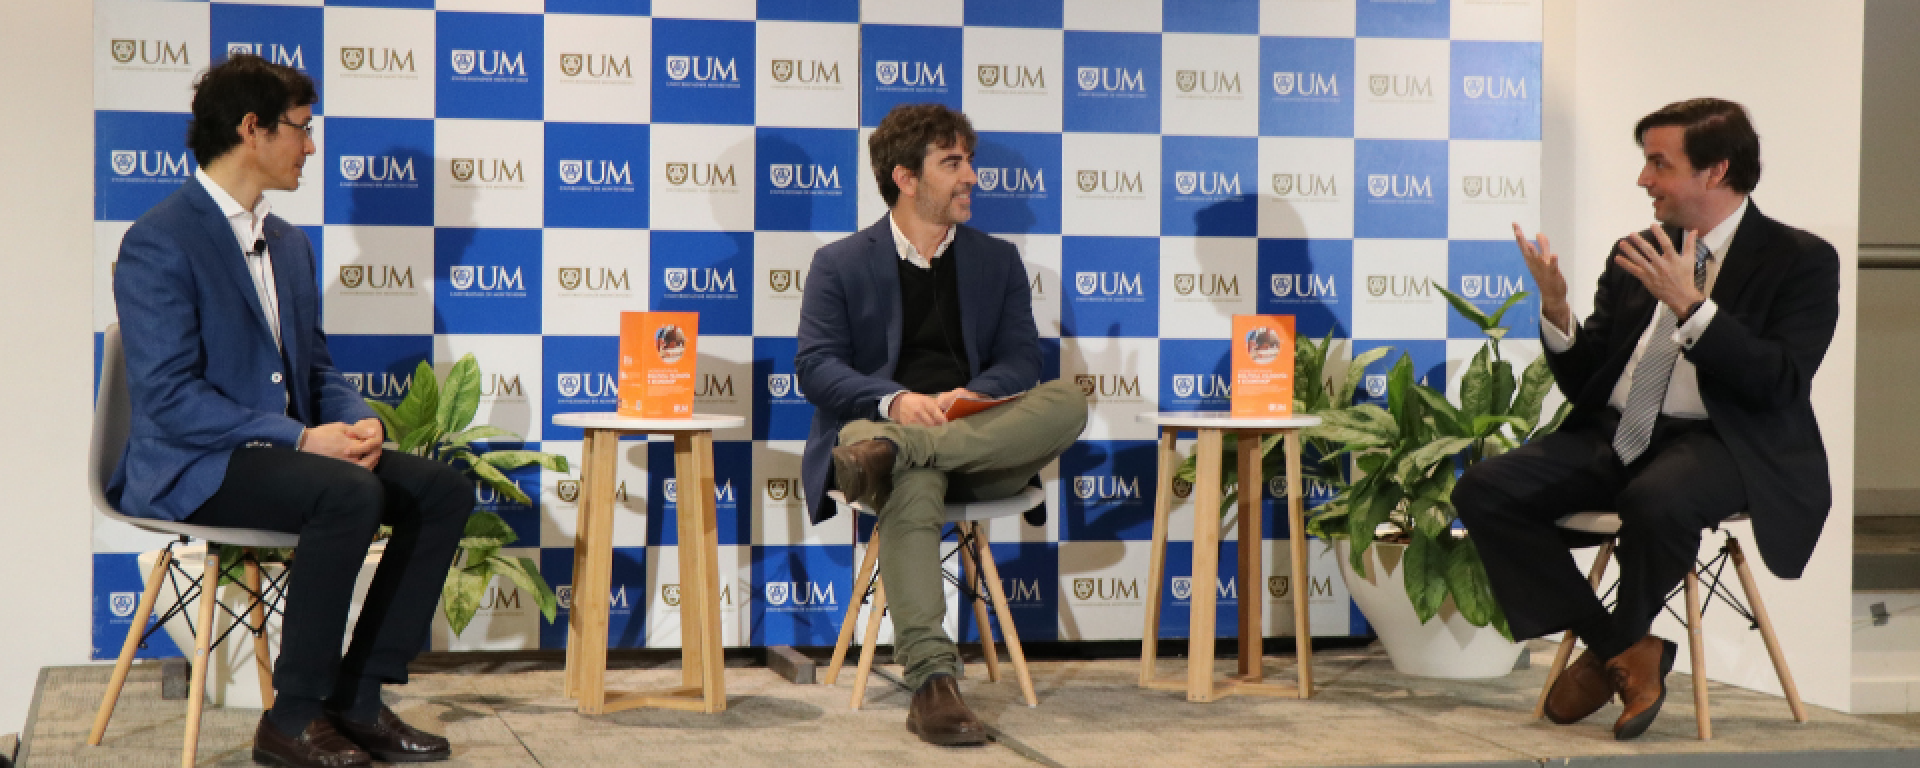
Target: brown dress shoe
x=864, y=472
x=939, y=716
x=318, y=746
x=1640, y=675
x=1580, y=690
x=393, y=741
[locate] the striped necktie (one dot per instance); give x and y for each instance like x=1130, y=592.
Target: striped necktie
x=1652, y=375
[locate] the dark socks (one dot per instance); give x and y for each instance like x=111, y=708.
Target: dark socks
x=360, y=703
x=1597, y=632
x=291, y=714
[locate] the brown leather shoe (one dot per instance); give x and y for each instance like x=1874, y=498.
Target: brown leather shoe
x=1580, y=690
x=1640, y=675
x=391, y=740
x=864, y=472
x=318, y=746
x=939, y=716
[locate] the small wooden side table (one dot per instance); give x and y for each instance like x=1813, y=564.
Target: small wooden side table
x=1212, y=427
x=702, y=687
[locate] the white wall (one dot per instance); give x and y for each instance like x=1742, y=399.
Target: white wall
x=46, y=143
x=1796, y=65
x=1888, y=478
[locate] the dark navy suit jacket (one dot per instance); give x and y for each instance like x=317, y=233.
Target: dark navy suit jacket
x=850, y=327
x=204, y=373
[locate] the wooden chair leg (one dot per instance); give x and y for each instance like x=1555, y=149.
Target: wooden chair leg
x=1014, y=650
x=1565, y=654
x=202, y=658
x=866, y=648
x=1157, y=553
x=1774, y=651
x=1697, y=646
x=129, y=647
x=968, y=555
x=862, y=581
x=262, y=653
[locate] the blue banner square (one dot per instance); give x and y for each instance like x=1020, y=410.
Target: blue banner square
x=424, y=4
x=703, y=71
x=1037, y=14
x=1180, y=582
x=118, y=582
x=1049, y=358
x=1303, y=278
x=807, y=179
x=780, y=409
x=1109, y=286
x=800, y=594
x=597, y=7
x=1106, y=490
x=379, y=171
x=907, y=65
x=1429, y=358
x=495, y=65
x=1116, y=85
x=596, y=175
x=1208, y=186
x=732, y=482
x=486, y=280
x=582, y=374
x=1030, y=580
x=1231, y=17
x=381, y=367
x=626, y=597
x=706, y=272
x=523, y=518
x=138, y=159
x=809, y=10
x=1404, y=18
x=1496, y=90
x=1405, y=188
x=1019, y=187
x=1487, y=273
x=1196, y=375
x=286, y=36
x=1309, y=86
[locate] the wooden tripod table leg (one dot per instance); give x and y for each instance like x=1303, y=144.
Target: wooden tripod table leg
x=1206, y=565
x=1169, y=462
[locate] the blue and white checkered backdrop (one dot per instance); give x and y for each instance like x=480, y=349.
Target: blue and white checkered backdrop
x=503, y=177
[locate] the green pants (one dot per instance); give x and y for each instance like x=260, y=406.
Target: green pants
x=988, y=455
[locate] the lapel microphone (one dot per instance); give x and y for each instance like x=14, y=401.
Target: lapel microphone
x=259, y=246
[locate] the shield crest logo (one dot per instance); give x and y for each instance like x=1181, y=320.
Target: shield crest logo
x=1376, y=385
x=779, y=384
x=1087, y=383
x=1182, y=587
x=358, y=380
x=1470, y=286
x=1379, y=84
x=564, y=594
x=123, y=51
x=124, y=161
x=1282, y=183
x=670, y=594
x=1277, y=586
x=1089, y=78
x=462, y=277
x=569, y=277
x=569, y=490
x=989, y=179
x=353, y=58
x=1089, y=180
x=239, y=49
x=352, y=276
x=678, y=67
x=571, y=171
x=1184, y=284
x=463, y=62
x=676, y=279
x=122, y=603
x=1283, y=83
x=780, y=280
x=781, y=174
x=1378, y=184
x=570, y=64
x=1182, y=488
x=676, y=173
x=462, y=169
x=782, y=70
x=777, y=593
x=1377, y=285
x=352, y=166
x=569, y=384
x=1281, y=284
x=1086, y=282
x=1472, y=185
x=778, y=488
x=1186, y=79
x=671, y=488
x=886, y=72
x=1475, y=85
x=1277, y=487
x=1185, y=181
x=1083, y=588
x=1084, y=486
x=989, y=75
x=1183, y=385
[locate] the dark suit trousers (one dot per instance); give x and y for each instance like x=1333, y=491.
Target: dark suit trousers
x=337, y=507
x=1684, y=483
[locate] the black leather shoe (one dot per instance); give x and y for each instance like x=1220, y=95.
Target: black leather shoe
x=318, y=746
x=864, y=472
x=391, y=740
x=939, y=716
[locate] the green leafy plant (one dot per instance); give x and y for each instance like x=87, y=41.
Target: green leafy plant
x=435, y=420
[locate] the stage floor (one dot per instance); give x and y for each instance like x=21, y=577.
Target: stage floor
x=1090, y=714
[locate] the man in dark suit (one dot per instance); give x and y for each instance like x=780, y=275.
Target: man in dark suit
x=896, y=323
x=239, y=419
x=1690, y=387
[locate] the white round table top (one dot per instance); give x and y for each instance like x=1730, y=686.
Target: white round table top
x=1225, y=420
x=610, y=420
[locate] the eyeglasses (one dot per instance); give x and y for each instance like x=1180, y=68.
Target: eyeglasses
x=308, y=126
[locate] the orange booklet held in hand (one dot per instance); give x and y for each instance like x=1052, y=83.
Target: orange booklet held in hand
x=967, y=406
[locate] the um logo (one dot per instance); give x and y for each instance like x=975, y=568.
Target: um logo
x=376, y=168
x=918, y=74
x=1303, y=285
x=1107, y=385
x=602, y=173
x=1410, y=87
x=1114, y=183
x=123, y=603
x=1012, y=180
x=599, y=66
x=1091, y=487
x=1207, y=81
x=1493, y=87
x=702, y=69
x=376, y=277
x=486, y=170
x=714, y=385
x=1399, y=185
x=498, y=385
x=1011, y=76
x=590, y=383
x=722, y=491
x=780, y=593
x=1311, y=186
x=1281, y=587
x=785, y=175
x=485, y=494
x=783, y=488
x=1112, y=79
x=785, y=280
x=486, y=277
x=569, y=491
x=152, y=163
x=805, y=71
x=500, y=599
x=1400, y=286
x=1202, y=385
x=1020, y=590
x=274, y=52
x=784, y=384
x=152, y=52
x=1107, y=589
x=355, y=59
x=1494, y=187
x=594, y=279
x=381, y=384
x=488, y=63
x=698, y=279
x=701, y=174
x=1206, y=284
x=1108, y=284
x=1490, y=286
x=1210, y=183
x=1306, y=84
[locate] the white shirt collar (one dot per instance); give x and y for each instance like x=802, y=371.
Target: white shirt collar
x=910, y=254
x=1721, y=236
x=246, y=230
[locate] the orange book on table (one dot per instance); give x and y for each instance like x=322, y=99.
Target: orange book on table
x=657, y=360
x=1262, y=366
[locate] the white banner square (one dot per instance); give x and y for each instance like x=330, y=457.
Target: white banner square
x=1113, y=15
x=146, y=55
x=560, y=495
x=664, y=596
x=1400, y=88
x=1308, y=18
x=488, y=173
x=807, y=75
x=1013, y=78
x=589, y=277
x=945, y=13
x=377, y=280
x=1103, y=588
x=1394, y=296
x=701, y=177
x=1041, y=253
x=598, y=68
x=380, y=62
x=510, y=378
x=1210, y=85
x=1112, y=184
x=1121, y=378
x=106, y=257
x=1204, y=282
x=1306, y=188
x=724, y=382
x=781, y=261
x=779, y=511
x=1521, y=20
x=1490, y=186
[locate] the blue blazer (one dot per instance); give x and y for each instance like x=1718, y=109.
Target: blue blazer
x=850, y=328
x=203, y=371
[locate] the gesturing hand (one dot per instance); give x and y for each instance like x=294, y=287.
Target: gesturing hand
x=1545, y=266
x=1667, y=272
x=916, y=410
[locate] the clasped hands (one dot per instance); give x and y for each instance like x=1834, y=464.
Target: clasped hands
x=918, y=410
x=359, y=442
x=1666, y=271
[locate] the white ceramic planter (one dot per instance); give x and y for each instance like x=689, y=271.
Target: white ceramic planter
x=1446, y=647
x=232, y=677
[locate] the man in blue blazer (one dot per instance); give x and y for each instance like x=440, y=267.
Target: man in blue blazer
x=240, y=420
x=897, y=323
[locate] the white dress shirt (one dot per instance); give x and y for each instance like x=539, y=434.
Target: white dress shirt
x=1683, y=389
x=249, y=228
x=911, y=255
